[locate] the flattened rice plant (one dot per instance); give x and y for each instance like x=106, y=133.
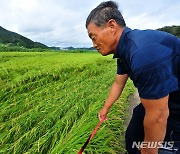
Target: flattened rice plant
x=49, y=103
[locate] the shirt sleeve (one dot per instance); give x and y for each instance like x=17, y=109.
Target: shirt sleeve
x=120, y=67
x=155, y=70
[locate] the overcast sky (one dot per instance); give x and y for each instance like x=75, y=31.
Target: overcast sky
x=62, y=22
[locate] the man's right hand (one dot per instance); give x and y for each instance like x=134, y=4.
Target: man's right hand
x=114, y=94
x=103, y=113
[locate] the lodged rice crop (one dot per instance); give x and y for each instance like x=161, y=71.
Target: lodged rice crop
x=49, y=103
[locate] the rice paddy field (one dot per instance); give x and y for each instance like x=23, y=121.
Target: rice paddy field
x=49, y=103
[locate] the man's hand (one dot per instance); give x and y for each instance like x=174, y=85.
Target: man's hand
x=103, y=113
x=114, y=94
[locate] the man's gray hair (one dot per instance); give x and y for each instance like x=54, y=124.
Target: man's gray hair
x=104, y=12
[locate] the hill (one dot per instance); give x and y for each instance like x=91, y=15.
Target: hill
x=14, y=39
x=175, y=30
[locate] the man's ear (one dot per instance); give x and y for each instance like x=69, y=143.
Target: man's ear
x=112, y=24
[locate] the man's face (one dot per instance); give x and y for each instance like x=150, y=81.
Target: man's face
x=102, y=38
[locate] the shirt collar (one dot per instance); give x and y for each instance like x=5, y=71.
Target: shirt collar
x=119, y=51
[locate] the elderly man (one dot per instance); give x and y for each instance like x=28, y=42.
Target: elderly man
x=152, y=60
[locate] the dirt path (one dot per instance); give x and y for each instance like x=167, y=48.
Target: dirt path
x=133, y=101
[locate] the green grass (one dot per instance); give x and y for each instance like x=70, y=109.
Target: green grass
x=49, y=103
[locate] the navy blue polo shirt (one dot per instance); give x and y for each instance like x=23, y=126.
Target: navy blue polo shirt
x=151, y=59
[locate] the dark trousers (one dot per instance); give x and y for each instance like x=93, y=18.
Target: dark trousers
x=135, y=131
